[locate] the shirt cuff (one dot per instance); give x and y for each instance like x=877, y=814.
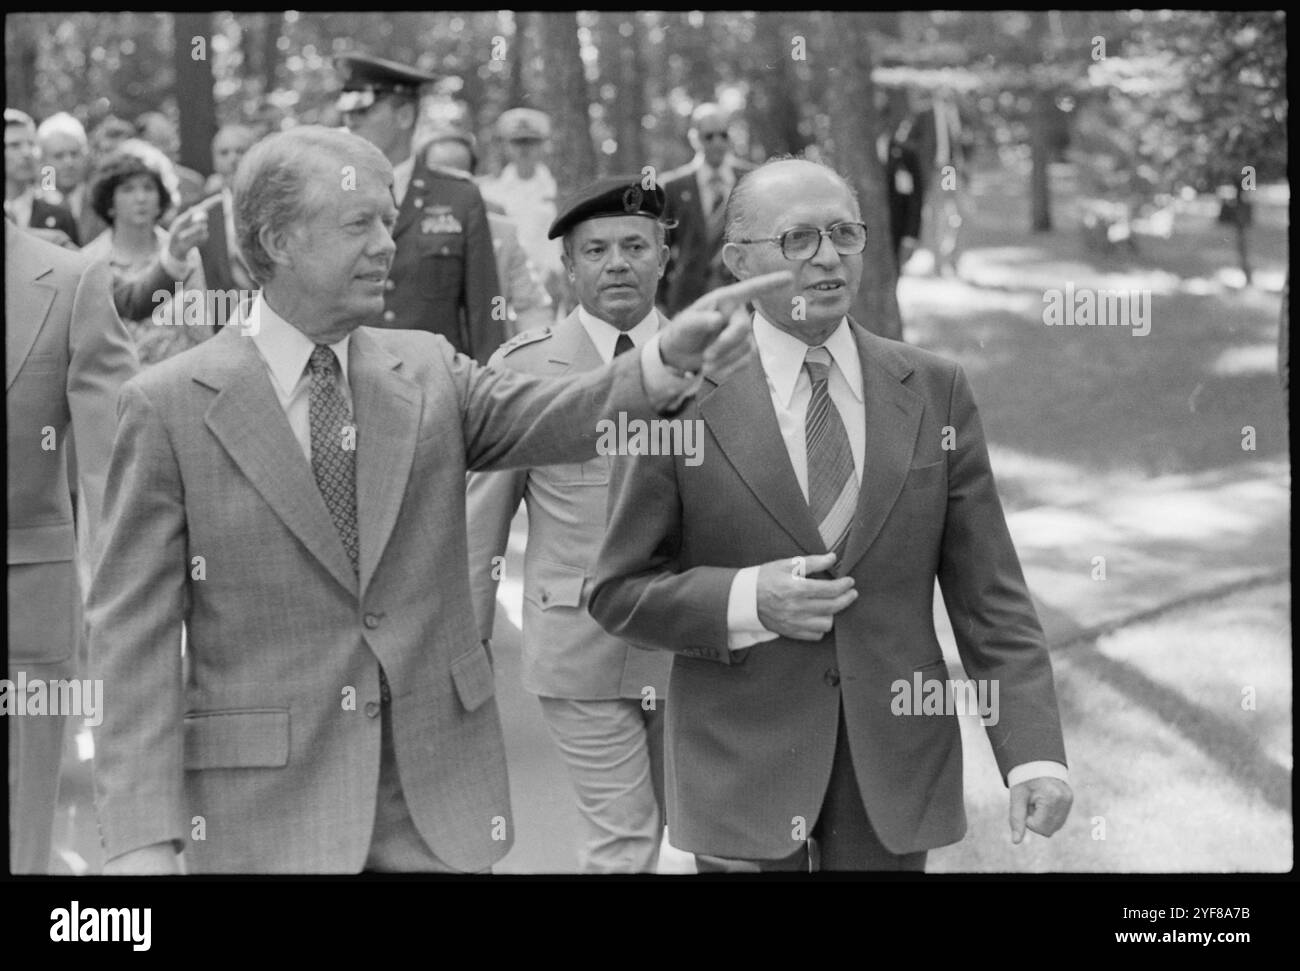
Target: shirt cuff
x=667, y=388
x=1037, y=770
x=744, y=629
x=176, y=269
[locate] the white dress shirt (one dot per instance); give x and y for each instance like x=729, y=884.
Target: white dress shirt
x=286, y=351
x=704, y=180
x=402, y=173
x=20, y=206
x=605, y=335
x=782, y=359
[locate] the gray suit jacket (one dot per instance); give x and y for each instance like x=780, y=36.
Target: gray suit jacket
x=566, y=654
x=275, y=741
x=66, y=356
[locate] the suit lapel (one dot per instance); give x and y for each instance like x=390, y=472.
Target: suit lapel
x=248, y=421
x=408, y=211
x=739, y=413
x=893, y=418
x=386, y=407
x=26, y=305
x=571, y=347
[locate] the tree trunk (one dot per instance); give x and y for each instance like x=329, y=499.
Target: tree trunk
x=272, y=26
x=845, y=72
x=194, y=89
x=774, y=111
x=573, y=155
x=1040, y=153
x=518, y=59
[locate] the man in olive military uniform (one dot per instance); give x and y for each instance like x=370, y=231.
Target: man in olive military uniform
x=443, y=277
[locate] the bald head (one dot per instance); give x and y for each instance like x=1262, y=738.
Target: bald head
x=763, y=194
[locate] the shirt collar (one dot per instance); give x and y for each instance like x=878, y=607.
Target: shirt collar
x=605, y=335
x=541, y=176
x=402, y=173
x=782, y=356
x=704, y=171
x=285, y=348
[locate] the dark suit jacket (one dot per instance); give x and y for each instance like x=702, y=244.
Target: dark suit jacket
x=66, y=357
x=444, y=275
x=751, y=734
x=903, y=172
x=690, y=249
x=51, y=215
x=215, y=254
x=262, y=741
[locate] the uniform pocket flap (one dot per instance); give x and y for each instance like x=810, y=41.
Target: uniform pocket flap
x=242, y=738
x=472, y=673
x=555, y=585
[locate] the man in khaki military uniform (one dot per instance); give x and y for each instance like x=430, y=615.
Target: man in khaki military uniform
x=602, y=699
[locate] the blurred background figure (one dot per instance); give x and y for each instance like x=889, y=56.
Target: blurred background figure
x=944, y=145
x=224, y=268
x=443, y=277
x=106, y=136
x=131, y=190
x=528, y=305
x=526, y=190
x=157, y=129
x=64, y=145
x=697, y=201
x=23, y=201
x=228, y=147
x=903, y=181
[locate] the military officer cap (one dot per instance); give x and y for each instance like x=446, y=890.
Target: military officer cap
x=619, y=195
x=524, y=125
x=366, y=79
x=450, y=133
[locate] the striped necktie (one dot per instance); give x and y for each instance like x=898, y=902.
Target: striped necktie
x=832, y=480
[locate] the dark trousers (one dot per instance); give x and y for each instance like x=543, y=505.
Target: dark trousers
x=841, y=839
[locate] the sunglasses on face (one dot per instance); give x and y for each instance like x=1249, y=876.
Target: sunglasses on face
x=802, y=242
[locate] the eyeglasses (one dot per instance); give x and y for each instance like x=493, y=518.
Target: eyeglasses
x=709, y=136
x=802, y=242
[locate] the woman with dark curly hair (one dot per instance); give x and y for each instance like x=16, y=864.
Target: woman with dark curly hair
x=132, y=189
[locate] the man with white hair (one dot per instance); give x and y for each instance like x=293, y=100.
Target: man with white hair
x=24, y=203
x=292, y=491
x=63, y=143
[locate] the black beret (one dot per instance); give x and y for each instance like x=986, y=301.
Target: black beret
x=366, y=79
x=618, y=195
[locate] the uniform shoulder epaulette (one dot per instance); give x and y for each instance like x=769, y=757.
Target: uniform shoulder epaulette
x=523, y=339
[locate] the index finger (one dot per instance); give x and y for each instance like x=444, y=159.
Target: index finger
x=725, y=299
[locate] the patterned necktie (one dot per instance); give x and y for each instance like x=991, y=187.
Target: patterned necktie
x=623, y=344
x=334, y=448
x=718, y=189
x=832, y=480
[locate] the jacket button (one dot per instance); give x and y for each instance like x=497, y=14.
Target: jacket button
x=389, y=284
x=390, y=315
x=419, y=203
x=371, y=622
x=372, y=709
x=831, y=677
x=546, y=597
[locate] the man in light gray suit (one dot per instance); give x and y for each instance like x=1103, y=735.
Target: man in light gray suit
x=66, y=356
x=602, y=699
x=292, y=491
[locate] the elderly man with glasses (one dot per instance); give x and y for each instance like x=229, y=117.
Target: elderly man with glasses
x=697, y=198
x=792, y=571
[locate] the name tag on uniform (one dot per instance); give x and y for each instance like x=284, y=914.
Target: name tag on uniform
x=440, y=219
